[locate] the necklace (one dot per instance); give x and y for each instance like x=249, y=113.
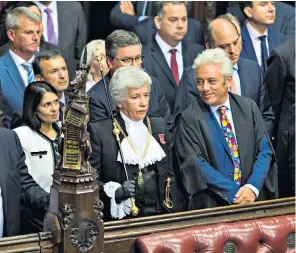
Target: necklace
x=140, y=174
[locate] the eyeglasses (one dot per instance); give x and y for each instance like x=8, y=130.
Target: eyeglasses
x=129, y=61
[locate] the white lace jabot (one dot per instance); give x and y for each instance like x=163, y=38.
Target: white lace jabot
x=138, y=135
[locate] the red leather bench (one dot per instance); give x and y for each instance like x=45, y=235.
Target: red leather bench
x=268, y=235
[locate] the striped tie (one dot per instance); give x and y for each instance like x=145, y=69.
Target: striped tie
x=28, y=67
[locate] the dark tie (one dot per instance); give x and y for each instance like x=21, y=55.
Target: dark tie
x=174, y=65
x=61, y=112
x=231, y=141
x=264, y=53
x=51, y=38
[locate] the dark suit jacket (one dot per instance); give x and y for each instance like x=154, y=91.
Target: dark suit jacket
x=204, y=157
x=16, y=181
x=125, y=21
x=284, y=21
x=248, y=51
x=99, y=108
x=280, y=83
x=156, y=65
x=146, y=30
x=72, y=32
x=252, y=86
x=105, y=152
x=43, y=46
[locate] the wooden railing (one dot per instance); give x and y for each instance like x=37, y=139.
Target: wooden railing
x=120, y=236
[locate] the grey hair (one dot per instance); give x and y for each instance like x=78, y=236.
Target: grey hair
x=118, y=39
x=91, y=50
x=124, y=78
x=13, y=18
x=209, y=31
x=214, y=56
x=161, y=4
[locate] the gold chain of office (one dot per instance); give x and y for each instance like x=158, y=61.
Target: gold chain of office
x=129, y=141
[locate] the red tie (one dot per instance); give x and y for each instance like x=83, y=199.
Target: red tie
x=174, y=66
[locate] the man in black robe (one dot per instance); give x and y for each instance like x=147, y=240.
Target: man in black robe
x=222, y=148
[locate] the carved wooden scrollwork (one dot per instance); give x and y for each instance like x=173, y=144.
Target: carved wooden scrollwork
x=67, y=212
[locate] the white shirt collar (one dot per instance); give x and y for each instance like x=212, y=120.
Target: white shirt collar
x=226, y=104
x=63, y=99
x=253, y=33
x=235, y=66
x=19, y=60
x=138, y=135
x=52, y=6
x=165, y=48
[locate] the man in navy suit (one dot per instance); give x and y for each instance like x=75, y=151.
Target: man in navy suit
x=123, y=48
x=284, y=20
x=223, y=151
x=167, y=54
x=258, y=38
x=224, y=32
x=15, y=181
x=23, y=31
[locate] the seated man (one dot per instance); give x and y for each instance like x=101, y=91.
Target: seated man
x=222, y=149
x=14, y=182
x=145, y=172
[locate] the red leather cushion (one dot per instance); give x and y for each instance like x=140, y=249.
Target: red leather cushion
x=268, y=235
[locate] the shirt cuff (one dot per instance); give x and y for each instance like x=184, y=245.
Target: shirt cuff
x=254, y=189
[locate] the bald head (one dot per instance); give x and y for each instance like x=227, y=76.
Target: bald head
x=225, y=33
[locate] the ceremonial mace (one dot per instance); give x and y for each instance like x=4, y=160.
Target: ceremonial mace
x=134, y=208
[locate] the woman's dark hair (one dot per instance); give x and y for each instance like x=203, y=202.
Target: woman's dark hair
x=32, y=98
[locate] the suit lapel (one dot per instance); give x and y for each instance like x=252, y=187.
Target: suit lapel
x=216, y=129
x=242, y=73
x=240, y=125
x=160, y=59
x=61, y=24
x=248, y=45
x=14, y=74
x=273, y=40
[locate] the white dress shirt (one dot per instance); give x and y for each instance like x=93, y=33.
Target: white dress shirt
x=1, y=215
x=257, y=42
x=54, y=14
x=18, y=62
x=235, y=77
x=230, y=118
x=165, y=48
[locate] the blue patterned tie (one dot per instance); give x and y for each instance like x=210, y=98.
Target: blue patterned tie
x=28, y=67
x=232, y=144
x=264, y=53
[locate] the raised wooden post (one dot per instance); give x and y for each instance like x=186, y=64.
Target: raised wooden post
x=75, y=215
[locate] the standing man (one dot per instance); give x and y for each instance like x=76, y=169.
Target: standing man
x=50, y=66
x=23, y=30
x=124, y=49
x=224, y=32
x=167, y=55
x=280, y=82
x=258, y=38
x=224, y=154
x=65, y=26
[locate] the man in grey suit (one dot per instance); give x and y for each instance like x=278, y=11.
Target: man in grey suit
x=69, y=29
x=224, y=32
